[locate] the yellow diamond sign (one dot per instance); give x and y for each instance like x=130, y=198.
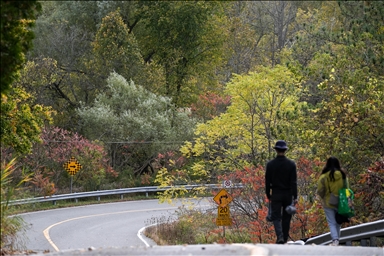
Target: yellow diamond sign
x=72, y=166
x=223, y=198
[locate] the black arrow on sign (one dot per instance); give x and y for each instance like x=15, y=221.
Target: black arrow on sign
x=226, y=196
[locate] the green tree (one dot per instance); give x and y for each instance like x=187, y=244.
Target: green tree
x=316, y=28
x=85, y=15
x=351, y=115
x=68, y=44
x=185, y=38
x=281, y=15
x=115, y=49
x=363, y=27
x=135, y=123
x=65, y=29
x=17, y=18
x=247, y=28
x=72, y=59
x=339, y=52
x=260, y=32
x=54, y=87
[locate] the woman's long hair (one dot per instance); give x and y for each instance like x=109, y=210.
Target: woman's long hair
x=333, y=165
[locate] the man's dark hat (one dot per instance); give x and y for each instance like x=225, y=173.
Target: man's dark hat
x=280, y=144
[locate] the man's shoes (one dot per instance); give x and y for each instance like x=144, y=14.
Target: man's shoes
x=280, y=240
x=278, y=231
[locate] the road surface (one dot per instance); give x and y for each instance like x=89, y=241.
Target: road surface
x=96, y=226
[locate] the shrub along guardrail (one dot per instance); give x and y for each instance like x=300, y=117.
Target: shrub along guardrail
x=365, y=233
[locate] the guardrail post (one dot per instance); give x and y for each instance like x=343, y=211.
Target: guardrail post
x=76, y=200
x=146, y=194
x=121, y=196
x=363, y=242
x=54, y=202
x=372, y=241
x=348, y=243
x=98, y=198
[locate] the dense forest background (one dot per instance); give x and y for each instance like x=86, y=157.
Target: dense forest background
x=191, y=92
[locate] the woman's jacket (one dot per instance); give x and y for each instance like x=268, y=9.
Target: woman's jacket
x=325, y=187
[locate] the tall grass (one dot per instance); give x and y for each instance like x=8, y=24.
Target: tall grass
x=12, y=227
x=191, y=226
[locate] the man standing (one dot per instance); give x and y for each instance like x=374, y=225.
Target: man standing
x=281, y=178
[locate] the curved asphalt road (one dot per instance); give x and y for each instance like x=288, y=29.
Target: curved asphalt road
x=99, y=226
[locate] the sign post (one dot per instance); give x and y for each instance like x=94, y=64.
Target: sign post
x=72, y=167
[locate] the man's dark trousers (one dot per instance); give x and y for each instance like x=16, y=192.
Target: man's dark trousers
x=281, y=219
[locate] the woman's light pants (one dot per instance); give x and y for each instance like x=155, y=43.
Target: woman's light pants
x=333, y=226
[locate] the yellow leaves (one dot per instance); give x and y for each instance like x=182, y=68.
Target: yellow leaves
x=259, y=83
x=199, y=148
x=199, y=169
x=163, y=177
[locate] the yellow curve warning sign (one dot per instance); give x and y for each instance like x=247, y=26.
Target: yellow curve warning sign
x=223, y=198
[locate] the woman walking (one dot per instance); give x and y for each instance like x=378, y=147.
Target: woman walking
x=331, y=180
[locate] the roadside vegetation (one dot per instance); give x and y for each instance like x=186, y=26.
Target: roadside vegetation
x=189, y=226
x=10, y=226
x=165, y=93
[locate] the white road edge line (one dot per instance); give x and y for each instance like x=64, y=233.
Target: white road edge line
x=140, y=232
x=141, y=236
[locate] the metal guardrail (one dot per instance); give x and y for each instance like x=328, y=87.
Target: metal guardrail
x=101, y=193
x=362, y=233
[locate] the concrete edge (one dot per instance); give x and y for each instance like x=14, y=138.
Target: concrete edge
x=254, y=249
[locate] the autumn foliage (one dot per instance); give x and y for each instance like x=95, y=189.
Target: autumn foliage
x=43, y=184
x=249, y=206
x=210, y=105
x=45, y=164
x=369, y=195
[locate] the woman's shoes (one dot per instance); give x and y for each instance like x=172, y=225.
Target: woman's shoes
x=335, y=242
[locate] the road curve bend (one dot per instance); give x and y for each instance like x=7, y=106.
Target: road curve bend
x=96, y=226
